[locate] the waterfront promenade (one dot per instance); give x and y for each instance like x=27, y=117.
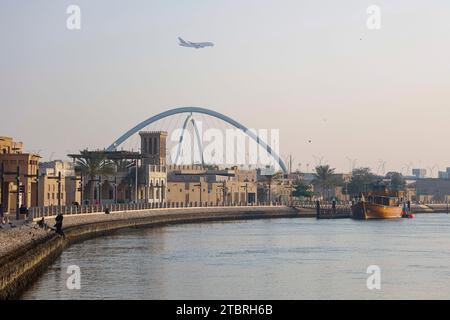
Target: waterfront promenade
x=25, y=251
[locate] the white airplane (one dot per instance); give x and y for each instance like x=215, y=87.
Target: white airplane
x=196, y=45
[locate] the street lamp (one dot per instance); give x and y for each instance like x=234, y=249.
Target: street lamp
x=58, y=178
x=246, y=193
x=200, y=188
x=224, y=189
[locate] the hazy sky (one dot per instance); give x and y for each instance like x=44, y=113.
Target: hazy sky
x=311, y=68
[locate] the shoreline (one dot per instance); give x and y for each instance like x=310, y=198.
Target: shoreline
x=34, y=249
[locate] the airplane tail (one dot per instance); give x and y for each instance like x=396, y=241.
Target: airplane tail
x=182, y=41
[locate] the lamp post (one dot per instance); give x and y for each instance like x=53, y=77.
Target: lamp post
x=200, y=188
x=18, y=193
x=2, y=178
x=115, y=189
x=152, y=192
x=246, y=193
x=99, y=190
x=161, y=193
x=136, y=183
x=59, y=190
x=224, y=193
x=37, y=187
x=58, y=178
x=36, y=177
x=80, y=188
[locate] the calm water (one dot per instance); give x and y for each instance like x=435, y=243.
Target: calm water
x=260, y=259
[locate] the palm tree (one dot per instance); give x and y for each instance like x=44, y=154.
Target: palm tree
x=123, y=165
x=324, y=177
x=93, y=164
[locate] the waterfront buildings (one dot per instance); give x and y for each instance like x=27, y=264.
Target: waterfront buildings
x=18, y=172
x=58, y=184
x=433, y=190
x=198, y=185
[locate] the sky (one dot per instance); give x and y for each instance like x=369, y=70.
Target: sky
x=335, y=89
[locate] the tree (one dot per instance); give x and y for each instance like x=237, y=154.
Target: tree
x=324, y=178
x=262, y=193
x=123, y=165
x=397, y=181
x=301, y=189
x=361, y=181
x=93, y=164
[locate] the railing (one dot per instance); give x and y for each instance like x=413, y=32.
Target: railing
x=327, y=210
x=39, y=212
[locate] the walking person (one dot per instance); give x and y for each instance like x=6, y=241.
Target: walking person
x=58, y=225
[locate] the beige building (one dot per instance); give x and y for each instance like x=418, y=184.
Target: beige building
x=52, y=168
x=17, y=169
x=281, y=190
x=58, y=184
x=195, y=186
x=8, y=145
x=49, y=192
x=72, y=187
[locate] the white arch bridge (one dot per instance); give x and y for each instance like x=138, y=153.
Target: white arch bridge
x=190, y=119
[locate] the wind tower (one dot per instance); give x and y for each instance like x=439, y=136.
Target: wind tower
x=153, y=147
x=153, y=151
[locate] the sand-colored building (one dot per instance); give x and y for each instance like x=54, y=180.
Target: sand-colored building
x=18, y=183
x=195, y=185
x=58, y=184
x=9, y=145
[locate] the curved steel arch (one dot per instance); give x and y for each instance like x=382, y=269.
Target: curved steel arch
x=190, y=118
x=212, y=113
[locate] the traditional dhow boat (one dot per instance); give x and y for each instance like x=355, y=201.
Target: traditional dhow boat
x=379, y=204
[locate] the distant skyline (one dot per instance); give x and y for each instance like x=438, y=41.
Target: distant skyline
x=336, y=90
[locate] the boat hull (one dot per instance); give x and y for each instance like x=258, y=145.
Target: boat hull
x=365, y=211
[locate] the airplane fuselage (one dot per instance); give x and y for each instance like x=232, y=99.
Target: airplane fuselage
x=196, y=45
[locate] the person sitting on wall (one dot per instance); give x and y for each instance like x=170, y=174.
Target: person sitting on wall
x=42, y=224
